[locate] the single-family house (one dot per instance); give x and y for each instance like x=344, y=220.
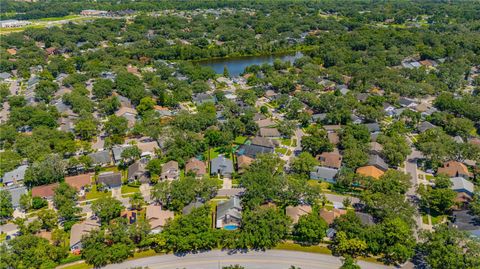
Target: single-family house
x=196, y=166
x=330, y=159
x=10, y=230
x=79, y=182
x=188, y=208
x=221, y=166
x=463, y=188
x=333, y=138
x=389, y=109
x=170, y=171
x=117, y=153
x=243, y=162
x=265, y=123
x=157, y=217
x=128, y=113
x=15, y=193
x=138, y=172
x=373, y=127
x=229, y=213
x=101, y=158
x=330, y=215
x=45, y=191
x=365, y=218
x=14, y=176
x=78, y=230
x=370, y=171
x=269, y=132
x=295, y=212
x=406, y=102
x=163, y=111
x=377, y=161
x=202, y=98
x=454, y=169
x=130, y=215
x=324, y=173
x=425, y=126
x=110, y=180
x=375, y=148
x=319, y=117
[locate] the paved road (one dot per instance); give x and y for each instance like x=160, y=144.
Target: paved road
x=271, y=259
x=411, y=168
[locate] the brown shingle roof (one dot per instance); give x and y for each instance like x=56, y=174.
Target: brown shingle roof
x=370, y=171
x=196, y=166
x=44, y=191
x=295, y=212
x=157, y=217
x=454, y=169
x=79, y=181
x=330, y=216
x=330, y=159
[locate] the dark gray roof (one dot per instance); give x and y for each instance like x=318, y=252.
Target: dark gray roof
x=101, y=157
x=378, y=162
x=405, y=101
x=203, y=98
x=424, y=126
x=137, y=171
x=253, y=151
x=16, y=192
x=5, y=75
x=462, y=185
x=110, y=179
x=231, y=207
x=373, y=127
x=221, y=165
x=15, y=175
x=325, y=173
x=117, y=152
x=187, y=209
x=365, y=219
x=263, y=142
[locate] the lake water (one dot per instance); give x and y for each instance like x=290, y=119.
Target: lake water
x=237, y=65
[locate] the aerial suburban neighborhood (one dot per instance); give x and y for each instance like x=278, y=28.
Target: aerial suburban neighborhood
x=237, y=134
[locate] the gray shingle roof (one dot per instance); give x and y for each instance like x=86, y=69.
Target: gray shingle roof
x=15, y=175
x=221, y=165
x=101, y=157
x=231, y=207
x=462, y=185
x=112, y=180
x=325, y=173
x=16, y=192
x=378, y=162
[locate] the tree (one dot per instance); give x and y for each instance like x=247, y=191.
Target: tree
x=146, y=104
x=264, y=227
x=131, y=154
x=225, y=72
x=45, y=89
x=107, y=208
x=352, y=247
x=136, y=201
x=25, y=202
x=38, y=203
x=393, y=181
x=154, y=166
x=395, y=149
x=437, y=199
x=304, y=163
x=65, y=200
x=50, y=170
x=6, y=208
x=109, y=105
x=349, y=263
x=316, y=142
x=86, y=127
x=49, y=219
x=310, y=229
x=449, y=248
x=116, y=127
x=10, y=160
x=103, y=88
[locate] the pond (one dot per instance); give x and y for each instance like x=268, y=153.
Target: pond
x=236, y=65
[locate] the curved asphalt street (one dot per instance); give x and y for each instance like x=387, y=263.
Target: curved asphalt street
x=270, y=259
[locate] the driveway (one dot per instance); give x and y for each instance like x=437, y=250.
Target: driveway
x=270, y=259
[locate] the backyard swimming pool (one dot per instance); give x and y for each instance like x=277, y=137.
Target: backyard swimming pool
x=230, y=227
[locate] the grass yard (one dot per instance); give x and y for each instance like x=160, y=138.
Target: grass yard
x=240, y=140
x=286, y=141
x=68, y=17
x=95, y=194
x=281, y=150
x=297, y=247
x=294, y=142
x=79, y=266
x=429, y=177
x=130, y=189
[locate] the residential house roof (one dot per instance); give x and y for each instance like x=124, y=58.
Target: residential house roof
x=17, y=174
x=295, y=212
x=188, y=208
x=378, y=162
x=156, y=217
x=373, y=127
x=15, y=194
x=221, y=165
x=196, y=166
x=263, y=142
x=330, y=215
x=330, y=159
x=79, y=181
x=231, y=208
x=460, y=184
x=269, y=132
x=319, y=117
x=424, y=126
x=170, y=169
x=117, y=152
x=5, y=75
x=78, y=230
x=44, y=191
x=243, y=161
x=375, y=147
x=332, y=128
x=258, y=116
x=333, y=138
x=101, y=157
x=111, y=179
x=265, y=123
x=202, y=98
x=406, y=102
x=325, y=173
x=454, y=169
x=365, y=219
x=137, y=171
x=370, y=171
x=253, y=151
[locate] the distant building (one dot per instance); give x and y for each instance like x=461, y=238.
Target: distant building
x=324, y=173
x=13, y=23
x=454, y=169
x=93, y=12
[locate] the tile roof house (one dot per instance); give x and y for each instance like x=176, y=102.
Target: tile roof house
x=330, y=159
x=110, y=179
x=101, y=158
x=370, y=171
x=196, y=166
x=295, y=212
x=14, y=176
x=78, y=230
x=269, y=132
x=460, y=185
x=138, y=172
x=378, y=162
x=170, y=171
x=454, y=169
x=44, y=191
x=79, y=182
x=229, y=213
x=324, y=173
x=330, y=215
x=157, y=218
x=221, y=166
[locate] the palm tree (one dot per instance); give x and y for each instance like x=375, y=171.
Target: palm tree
x=136, y=201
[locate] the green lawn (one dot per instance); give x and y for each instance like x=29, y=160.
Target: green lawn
x=429, y=177
x=286, y=141
x=297, y=247
x=68, y=17
x=240, y=140
x=130, y=189
x=294, y=142
x=281, y=150
x=94, y=194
